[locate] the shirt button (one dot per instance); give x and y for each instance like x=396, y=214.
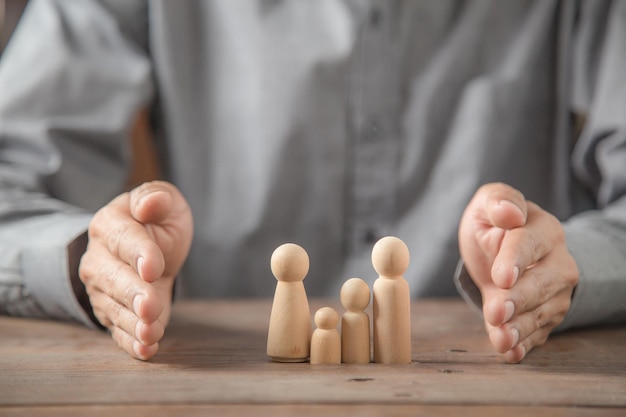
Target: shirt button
x=375, y=17
x=372, y=131
x=371, y=236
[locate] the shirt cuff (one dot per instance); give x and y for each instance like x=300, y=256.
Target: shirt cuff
x=599, y=295
x=46, y=265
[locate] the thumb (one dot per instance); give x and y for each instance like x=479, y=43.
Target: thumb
x=494, y=209
x=167, y=217
x=504, y=206
x=151, y=202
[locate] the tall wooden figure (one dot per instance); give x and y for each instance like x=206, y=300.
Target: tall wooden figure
x=289, y=334
x=392, y=302
x=355, y=323
x=326, y=342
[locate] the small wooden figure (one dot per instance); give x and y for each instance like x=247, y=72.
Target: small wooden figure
x=289, y=333
x=326, y=342
x=392, y=302
x=355, y=323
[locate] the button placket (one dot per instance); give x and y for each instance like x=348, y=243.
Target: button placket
x=374, y=98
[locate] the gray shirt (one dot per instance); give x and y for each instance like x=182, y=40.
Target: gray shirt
x=326, y=123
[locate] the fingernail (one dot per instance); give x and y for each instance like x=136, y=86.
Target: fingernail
x=515, y=274
x=138, y=329
x=140, y=262
x=509, y=309
x=137, y=302
x=137, y=349
x=515, y=336
x=511, y=204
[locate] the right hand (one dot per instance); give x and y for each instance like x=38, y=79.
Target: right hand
x=517, y=256
x=137, y=245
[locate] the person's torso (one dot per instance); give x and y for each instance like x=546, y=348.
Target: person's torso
x=331, y=124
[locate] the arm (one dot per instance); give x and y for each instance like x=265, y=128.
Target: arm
x=71, y=84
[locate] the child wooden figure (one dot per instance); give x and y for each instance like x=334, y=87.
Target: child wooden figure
x=326, y=342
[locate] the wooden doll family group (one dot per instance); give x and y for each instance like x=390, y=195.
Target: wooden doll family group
x=290, y=338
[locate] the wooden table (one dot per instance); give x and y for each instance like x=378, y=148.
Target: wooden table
x=212, y=361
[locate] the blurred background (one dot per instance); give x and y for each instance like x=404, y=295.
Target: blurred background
x=10, y=12
x=145, y=166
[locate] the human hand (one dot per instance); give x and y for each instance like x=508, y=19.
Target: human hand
x=137, y=245
x=516, y=254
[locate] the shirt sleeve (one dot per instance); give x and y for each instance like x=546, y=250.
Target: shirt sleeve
x=72, y=80
x=596, y=238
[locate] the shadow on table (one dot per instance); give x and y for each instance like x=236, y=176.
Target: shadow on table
x=195, y=344
x=597, y=350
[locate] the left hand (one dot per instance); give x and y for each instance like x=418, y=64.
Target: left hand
x=516, y=254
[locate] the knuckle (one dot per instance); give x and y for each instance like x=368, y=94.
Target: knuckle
x=559, y=232
x=561, y=311
x=85, y=269
x=539, y=318
x=571, y=275
x=93, y=229
x=558, y=318
x=567, y=303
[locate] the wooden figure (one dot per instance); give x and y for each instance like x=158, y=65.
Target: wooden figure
x=326, y=342
x=392, y=302
x=355, y=323
x=289, y=333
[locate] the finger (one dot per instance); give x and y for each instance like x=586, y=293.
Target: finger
x=520, y=351
x=117, y=315
x=127, y=240
x=535, y=287
x=102, y=316
x=525, y=246
x=505, y=337
x=101, y=272
x=132, y=346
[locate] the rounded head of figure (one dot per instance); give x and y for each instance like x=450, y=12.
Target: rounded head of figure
x=390, y=257
x=289, y=263
x=355, y=294
x=326, y=318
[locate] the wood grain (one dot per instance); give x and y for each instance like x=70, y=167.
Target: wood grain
x=214, y=355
